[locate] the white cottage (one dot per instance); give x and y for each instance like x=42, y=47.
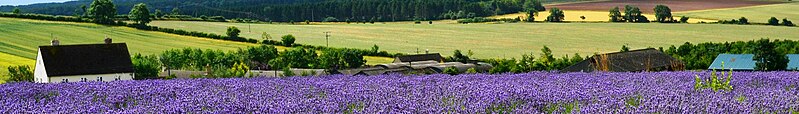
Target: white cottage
x=82, y=63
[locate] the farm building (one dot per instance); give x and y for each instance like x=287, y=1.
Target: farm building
x=735, y=62
x=421, y=57
x=793, y=64
x=416, y=67
x=81, y=63
x=746, y=62
x=631, y=61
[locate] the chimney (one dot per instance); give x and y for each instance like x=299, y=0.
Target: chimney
x=55, y=42
x=108, y=40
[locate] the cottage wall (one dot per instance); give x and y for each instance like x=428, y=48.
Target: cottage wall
x=92, y=78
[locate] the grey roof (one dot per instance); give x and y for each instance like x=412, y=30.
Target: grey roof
x=793, y=64
x=737, y=62
x=420, y=57
x=66, y=60
x=632, y=61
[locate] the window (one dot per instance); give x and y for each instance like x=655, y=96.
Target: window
x=64, y=80
x=99, y=79
x=117, y=79
x=83, y=79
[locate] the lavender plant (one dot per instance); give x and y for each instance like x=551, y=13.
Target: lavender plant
x=536, y=92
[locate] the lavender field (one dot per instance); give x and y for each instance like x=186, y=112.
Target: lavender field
x=538, y=92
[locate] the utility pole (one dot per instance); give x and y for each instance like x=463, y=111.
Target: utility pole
x=327, y=38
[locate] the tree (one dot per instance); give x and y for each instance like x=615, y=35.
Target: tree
x=375, y=49
x=16, y=11
x=260, y=54
x=102, y=11
x=265, y=36
x=146, y=67
x=787, y=22
x=546, y=59
x=773, y=21
x=341, y=58
x=684, y=19
x=743, y=21
x=768, y=58
x=140, y=14
x=615, y=15
x=84, y=10
x=176, y=11
x=531, y=15
x=663, y=14
x=159, y=13
x=288, y=40
x=632, y=14
x=555, y=15
x=233, y=32
x=534, y=5
x=20, y=73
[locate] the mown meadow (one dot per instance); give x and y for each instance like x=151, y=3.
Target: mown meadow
x=758, y=14
x=500, y=40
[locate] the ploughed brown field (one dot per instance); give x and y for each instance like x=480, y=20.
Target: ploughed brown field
x=647, y=6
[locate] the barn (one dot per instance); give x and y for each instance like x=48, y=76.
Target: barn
x=735, y=62
x=746, y=62
x=81, y=63
x=632, y=61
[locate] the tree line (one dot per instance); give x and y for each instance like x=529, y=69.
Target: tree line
x=769, y=54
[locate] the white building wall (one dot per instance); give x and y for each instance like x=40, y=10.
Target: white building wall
x=91, y=78
x=39, y=73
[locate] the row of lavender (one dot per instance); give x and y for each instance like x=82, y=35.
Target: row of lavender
x=538, y=92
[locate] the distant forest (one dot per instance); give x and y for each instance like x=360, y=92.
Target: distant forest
x=301, y=10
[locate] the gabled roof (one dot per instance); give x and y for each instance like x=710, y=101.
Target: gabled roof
x=631, y=61
x=736, y=62
x=793, y=64
x=421, y=57
x=66, y=60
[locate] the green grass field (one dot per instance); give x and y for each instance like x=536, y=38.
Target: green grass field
x=502, y=40
x=759, y=14
x=20, y=39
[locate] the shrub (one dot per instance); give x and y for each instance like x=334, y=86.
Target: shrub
x=787, y=22
x=146, y=67
x=330, y=19
x=288, y=40
x=21, y=73
x=684, y=19
x=774, y=21
x=714, y=82
x=287, y=72
x=743, y=21
x=472, y=71
x=451, y=71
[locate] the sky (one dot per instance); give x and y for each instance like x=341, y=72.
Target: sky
x=26, y=2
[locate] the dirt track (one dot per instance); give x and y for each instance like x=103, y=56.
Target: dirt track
x=647, y=6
